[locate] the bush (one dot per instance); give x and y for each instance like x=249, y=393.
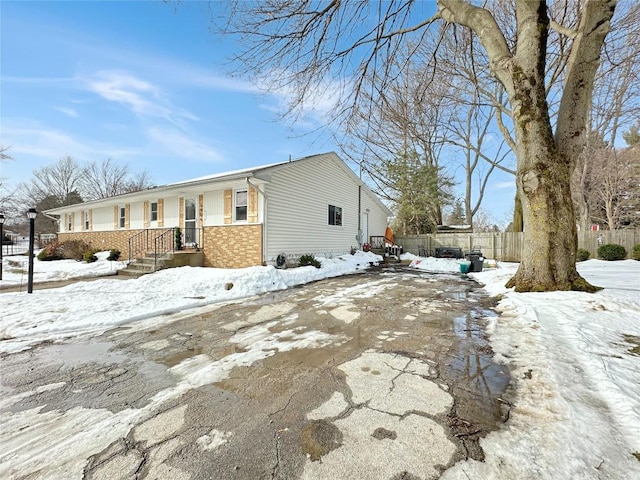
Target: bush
x=90, y=256
x=611, y=251
x=582, y=255
x=75, y=249
x=53, y=251
x=114, y=255
x=309, y=260
x=636, y=252
x=178, y=238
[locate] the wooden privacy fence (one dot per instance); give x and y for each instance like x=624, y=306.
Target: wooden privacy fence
x=507, y=246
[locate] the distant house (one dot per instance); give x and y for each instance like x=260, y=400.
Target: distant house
x=248, y=217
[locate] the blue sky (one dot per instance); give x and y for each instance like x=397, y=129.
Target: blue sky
x=144, y=83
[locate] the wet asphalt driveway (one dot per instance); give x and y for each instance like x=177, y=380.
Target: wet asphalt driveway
x=386, y=374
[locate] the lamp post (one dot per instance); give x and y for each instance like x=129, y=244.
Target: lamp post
x=31, y=213
x=1, y=242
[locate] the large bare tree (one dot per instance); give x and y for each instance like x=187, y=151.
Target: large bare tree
x=109, y=178
x=300, y=44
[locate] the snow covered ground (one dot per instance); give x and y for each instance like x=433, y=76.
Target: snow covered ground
x=577, y=407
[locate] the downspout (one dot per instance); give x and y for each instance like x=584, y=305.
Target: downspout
x=359, y=235
x=264, y=219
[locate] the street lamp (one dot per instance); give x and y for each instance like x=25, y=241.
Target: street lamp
x=31, y=213
x=1, y=242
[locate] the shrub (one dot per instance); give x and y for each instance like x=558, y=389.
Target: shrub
x=53, y=251
x=309, y=260
x=90, y=256
x=636, y=252
x=114, y=255
x=74, y=249
x=178, y=238
x=611, y=251
x=582, y=255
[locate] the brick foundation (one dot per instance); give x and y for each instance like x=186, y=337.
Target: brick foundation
x=117, y=239
x=233, y=246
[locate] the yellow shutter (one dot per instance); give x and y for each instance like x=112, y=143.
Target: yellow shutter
x=127, y=209
x=201, y=210
x=82, y=225
x=181, y=212
x=160, y=212
x=115, y=217
x=228, y=206
x=146, y=214
x=90, y=219
x=252, y=208
x=73, y=220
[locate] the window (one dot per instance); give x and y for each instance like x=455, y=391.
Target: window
x=121, y=219
x=154, y=211
x=86, y=220
x=335, y=215
x=69, y=223
x=241, y=206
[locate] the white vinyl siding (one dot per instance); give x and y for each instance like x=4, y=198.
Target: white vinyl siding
x=171, y=212
x=297, y=207
x=136, y=215
x=102, y=219
x=214, y=208
x=376, y=217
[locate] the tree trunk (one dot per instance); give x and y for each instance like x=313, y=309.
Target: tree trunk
x=516, y=223
x=548, y=259
x=545, y=163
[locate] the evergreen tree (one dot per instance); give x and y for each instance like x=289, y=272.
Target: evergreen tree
x=418, y=189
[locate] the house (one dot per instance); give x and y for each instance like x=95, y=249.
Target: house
x=313, y=205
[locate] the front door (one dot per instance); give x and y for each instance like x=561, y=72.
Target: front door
x=190, y=222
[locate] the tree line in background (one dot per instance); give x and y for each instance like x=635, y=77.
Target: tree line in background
x=65, y=182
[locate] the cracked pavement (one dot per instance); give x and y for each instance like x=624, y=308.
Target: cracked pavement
x=386, y=374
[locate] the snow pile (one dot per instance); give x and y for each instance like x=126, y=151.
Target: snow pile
x=93, y=307
x=432, y=264
x=15, y=269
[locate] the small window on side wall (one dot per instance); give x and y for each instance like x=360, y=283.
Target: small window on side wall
x=154, y=211
x=121, y=220
x=86, y=221
x=335, y=215
x=241, y=205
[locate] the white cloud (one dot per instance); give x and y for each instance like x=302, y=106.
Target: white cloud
x=143, y=98
x=46, y=144
x=314, y=109
x=183, y=146
x=68, y=111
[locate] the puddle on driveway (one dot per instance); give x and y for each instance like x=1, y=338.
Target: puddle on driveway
x=437, y=318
